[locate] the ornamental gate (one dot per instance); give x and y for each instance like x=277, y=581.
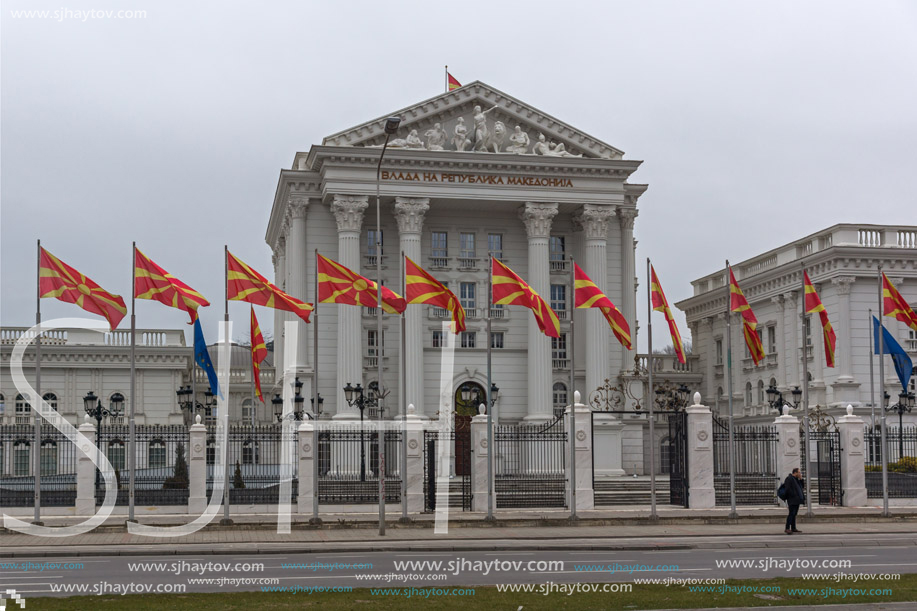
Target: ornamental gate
x=459, y=469
x=825, y=458
x=755, y=455
x=530, y=469
x=678, y=458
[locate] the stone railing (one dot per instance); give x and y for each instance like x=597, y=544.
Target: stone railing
x=159, y=338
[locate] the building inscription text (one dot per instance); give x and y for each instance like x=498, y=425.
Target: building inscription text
x=477, y=179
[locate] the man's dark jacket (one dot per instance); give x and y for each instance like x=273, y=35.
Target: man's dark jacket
x=794, y=493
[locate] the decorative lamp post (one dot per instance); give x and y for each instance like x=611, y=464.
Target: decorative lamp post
x=776, y=400
x=94, y=409
x=354, y=395
x=904, y=405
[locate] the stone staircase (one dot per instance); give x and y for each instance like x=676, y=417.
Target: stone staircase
x=630, y=491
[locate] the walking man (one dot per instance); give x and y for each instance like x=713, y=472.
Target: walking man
x=794, y=498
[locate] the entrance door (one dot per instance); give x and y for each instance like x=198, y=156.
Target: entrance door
x=464, y=411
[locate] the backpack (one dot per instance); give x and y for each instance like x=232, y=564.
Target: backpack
x=781, y=492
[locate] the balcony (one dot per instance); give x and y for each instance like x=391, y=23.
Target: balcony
x=437, y=262
x=369, y=261
x=468, y=263
x=23, y=419
x=561, y=314
x=439, y=313
x=371, y=312
x=771, y=360
x=499, y=313
x=560, y=364
x=560, y=266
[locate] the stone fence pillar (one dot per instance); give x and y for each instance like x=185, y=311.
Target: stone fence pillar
x=86, y=472
x=607, y=434
x=581, y=437
x=306, y=454
x=413, y=470
x=788, y=445
x=480, y=478
x=701, y=494
x=853, y=460
x=197, y=468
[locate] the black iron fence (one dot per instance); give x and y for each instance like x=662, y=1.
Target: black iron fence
x=58, y=459
x=901, y=454
x=348, y=465
x=161, y=476
x=259, y=458
x=755, y=464
x=457, y=470
x=530, y=465
x=825, y=459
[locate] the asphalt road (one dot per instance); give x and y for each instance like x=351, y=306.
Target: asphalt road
x=221, y=573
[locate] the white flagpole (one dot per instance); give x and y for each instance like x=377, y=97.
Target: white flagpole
x=36, y=401
x=731, y=450
x=570, y=394
x=132, y=434
x=885, y=511
x=490, y=401
x=315, y=453
x=649, y=390
x=404, y=403
x=805, y=395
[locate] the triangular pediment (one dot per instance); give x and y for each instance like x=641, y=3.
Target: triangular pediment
x=434, y=124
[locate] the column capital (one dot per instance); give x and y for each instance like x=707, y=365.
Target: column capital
x=842, y=284
x=537, y=217
x=348, y=211
x=626, y=217
x=790, y=299
x=297, y=205
x=778, y=301
x=409, y=212
x=280, y=247
x=593, y=220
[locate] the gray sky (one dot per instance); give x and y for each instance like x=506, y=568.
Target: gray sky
x=758, y=123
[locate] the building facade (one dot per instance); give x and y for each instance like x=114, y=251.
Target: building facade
x=842, y=262
x=470, y=174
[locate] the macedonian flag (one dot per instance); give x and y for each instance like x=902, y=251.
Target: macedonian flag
x=421, y=287
x=814, y=305
x=245, y=284
x=453, y=82
x=259, y=353
x=661, y=304
x=337, y=284
x=738, y=303
x=510, y=289
x=153, y=282
x=59, y=280
x=895, y=305
x=586, y=294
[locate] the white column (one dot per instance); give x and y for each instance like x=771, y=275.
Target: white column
x=626, y=217
x=306, y=454
x=537, y=218
x=594, y=221
x=197, y=468
x=582, y=437
x=296, y=274
x=348, y=212
x=86, y=473
x=853, y=466
x=846, y=388
x=788, y=445
x=793, y=343
x=409, y=212
x=700, y=456
x=818, y=394
x=280, y=274
x=480, y=477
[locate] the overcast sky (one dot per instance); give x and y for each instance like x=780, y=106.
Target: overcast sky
x=758, y=123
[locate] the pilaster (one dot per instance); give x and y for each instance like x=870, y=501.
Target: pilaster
x=626, y=217
x=296, y=273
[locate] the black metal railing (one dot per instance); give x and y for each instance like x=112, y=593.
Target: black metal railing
x=755, y=464
x=256, y=463
x=825, y=460
x=530, y=466
x=57, y=469
x=901, y=454
x=162, y=475
x=349, y=467
x=458, y=472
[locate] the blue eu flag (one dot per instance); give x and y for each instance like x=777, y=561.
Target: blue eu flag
x=903, y=363
x=202, y=358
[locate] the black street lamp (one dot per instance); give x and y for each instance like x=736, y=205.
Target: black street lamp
x=298, y=402
x=94, y=409
x=355, y=397
x=471, y=396
x=905, y=403
x=775, y=398
x=671, y=398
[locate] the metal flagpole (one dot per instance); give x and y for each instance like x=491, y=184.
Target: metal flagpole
x=884, y=449
x=805, y=394
x=649, y=389
x=252, y=333
x=570, y=394
x=404, y=403
x=132, y=459
x=36, y=457
x=447, y=79
x=732, y=473
x=872, y=382
x=490, y=402
x=315, y=453
x=225, y=417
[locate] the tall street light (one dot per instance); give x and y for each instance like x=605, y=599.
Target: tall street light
x=390, y=127
x=905, y=403
x=94, y=409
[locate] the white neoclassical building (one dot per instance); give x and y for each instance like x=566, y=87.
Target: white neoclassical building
x=470, y=173
x=842, y=261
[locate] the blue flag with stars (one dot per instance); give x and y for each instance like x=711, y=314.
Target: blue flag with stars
x=202, y=358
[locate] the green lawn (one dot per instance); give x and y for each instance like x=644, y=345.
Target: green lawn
x=642, y=597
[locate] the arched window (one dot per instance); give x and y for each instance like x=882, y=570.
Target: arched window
x=761, y=395
x=48, y=457
x=51, y=399
x=23, y=409
x=116, y=454
x=248, y=414
x=157, y=454
x=21, y=457
x=560, y=398
x=747, y=394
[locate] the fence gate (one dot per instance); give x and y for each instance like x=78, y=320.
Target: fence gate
x=678, y=459
x=755, y=454
x=826, y=458
x=459, y=473
x=530, y=465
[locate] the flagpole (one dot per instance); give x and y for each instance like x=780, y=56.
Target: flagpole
x=731, y=454
x=447, y=79
x=132, y=434
x=872, y=382
x=649, y=389
x=884, y=452
x=571, y=395
x=490, y=402
x=315, y=404
x=404, y=403
x=805, y=394
x=36, y=458
x=225, y=417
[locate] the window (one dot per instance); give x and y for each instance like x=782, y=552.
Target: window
x=747, y=394
x=808, y=331
x=116, y=454
x=468, y=339
x=21, y=458
x=248, y=413
x=157, y=456
x=48, y=457
x=496, y=339
x=438, y=339
x=495, y=245
x=719, y=352
x=559, y=298
x=250, y=453
x=2, y=408
x=23, y=410
x=440, y=248
x=372, y=345
x=557, y=250
x=51, y=399
x=372, y=236
x=559, y=350
x=772, y=340
x=559, y=392
x=466, y=295
x=466, y=245
x=761, y=395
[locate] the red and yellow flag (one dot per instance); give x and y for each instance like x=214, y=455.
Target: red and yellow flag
x=259, y=353
x=894, y=304
x=421, y=287
x=59, y=280
x=337, y=284
x=510, y=289
x=814, y=305
x=586, y=294
x=738, y=303
x=153, y=282
x=453, y=84
x=245, y=284
x=661, y=304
